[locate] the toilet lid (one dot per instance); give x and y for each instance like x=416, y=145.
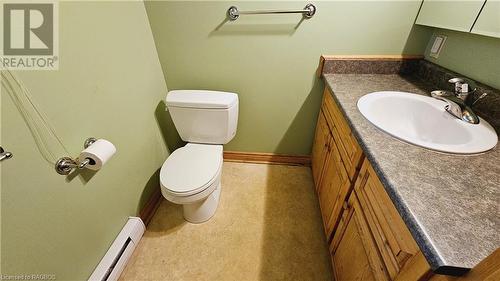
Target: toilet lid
x=191, y=168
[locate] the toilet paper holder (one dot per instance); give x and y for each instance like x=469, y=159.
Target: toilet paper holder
x=65, y=165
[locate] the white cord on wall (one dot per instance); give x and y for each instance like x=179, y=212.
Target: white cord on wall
x=46, y=138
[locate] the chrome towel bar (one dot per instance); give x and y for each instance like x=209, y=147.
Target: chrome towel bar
x=308, y=12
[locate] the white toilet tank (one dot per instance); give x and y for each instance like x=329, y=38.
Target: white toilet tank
x=202, y=116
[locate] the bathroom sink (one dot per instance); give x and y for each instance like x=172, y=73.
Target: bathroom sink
x=423, y=121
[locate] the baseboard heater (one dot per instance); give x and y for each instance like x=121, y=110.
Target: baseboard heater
x=113, y=263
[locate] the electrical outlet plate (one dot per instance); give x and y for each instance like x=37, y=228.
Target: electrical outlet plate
x=437, y=46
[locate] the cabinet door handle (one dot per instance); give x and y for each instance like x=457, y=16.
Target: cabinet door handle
x=4, y=154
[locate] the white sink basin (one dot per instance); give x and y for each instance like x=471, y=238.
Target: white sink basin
x=422, y=121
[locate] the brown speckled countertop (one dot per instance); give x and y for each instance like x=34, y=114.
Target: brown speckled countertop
x=450, y=203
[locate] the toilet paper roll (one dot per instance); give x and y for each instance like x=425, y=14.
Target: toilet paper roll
x=99, y=153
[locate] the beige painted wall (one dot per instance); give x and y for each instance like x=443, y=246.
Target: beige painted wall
x=108, y=85
x=270, y=60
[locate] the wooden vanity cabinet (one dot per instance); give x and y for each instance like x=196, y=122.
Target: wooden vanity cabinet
x=335, y=160
x=369, y=240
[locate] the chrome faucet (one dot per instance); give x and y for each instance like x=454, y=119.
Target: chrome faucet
x=457, y=104
x=459, y=83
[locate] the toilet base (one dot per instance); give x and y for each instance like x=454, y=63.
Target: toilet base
x=203, y=210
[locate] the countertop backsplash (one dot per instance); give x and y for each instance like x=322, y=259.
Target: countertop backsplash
x=488, y=107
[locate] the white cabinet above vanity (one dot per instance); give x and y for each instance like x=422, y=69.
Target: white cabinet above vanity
x=475, y=16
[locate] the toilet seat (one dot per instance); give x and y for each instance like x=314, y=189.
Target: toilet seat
x=191, y=169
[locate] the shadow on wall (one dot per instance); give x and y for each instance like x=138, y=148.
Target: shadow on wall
x=167, y=128
x=300, y=126
x=151, y=186
x=419, y=36
x=85, y=175
x=226, y=28
x=172, y=140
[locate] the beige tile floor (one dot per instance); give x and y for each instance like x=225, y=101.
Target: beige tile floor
x=267, y=227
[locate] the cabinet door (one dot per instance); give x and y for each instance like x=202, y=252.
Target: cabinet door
x=354, y=253
x=488, y=22
x=334, y=188
x=399, y=252
x=320, y=148
x=348, y=146
x=454, y=15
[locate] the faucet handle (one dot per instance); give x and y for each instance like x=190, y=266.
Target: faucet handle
x=479, y=98
x=456, y=79
x=458, y=83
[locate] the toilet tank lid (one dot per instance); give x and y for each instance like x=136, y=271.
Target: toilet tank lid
x=201, y=99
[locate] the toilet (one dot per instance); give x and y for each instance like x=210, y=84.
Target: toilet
x=191, y=175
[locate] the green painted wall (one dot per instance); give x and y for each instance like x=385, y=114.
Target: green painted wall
x=109, y=84
x=270, y=61
x=475, y=56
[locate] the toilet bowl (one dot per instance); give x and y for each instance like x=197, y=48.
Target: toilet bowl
x=191, y=177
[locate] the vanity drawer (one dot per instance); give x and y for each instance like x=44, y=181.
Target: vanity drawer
x=392, y=237
x=347, y=144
